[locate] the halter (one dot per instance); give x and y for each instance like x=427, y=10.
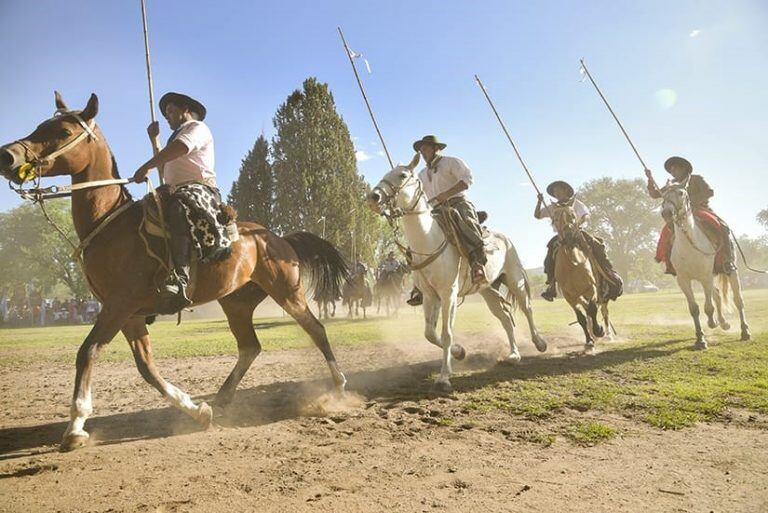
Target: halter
x=681, y=214
x=392, y=213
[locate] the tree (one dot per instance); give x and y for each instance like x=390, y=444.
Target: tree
x=762, y=218
x=317, y=186
x=627, y=218
x=32, y=252
x=252, y=194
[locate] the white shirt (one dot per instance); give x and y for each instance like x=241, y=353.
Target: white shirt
x=579, y=208
x=198, y=164
x=444, y=174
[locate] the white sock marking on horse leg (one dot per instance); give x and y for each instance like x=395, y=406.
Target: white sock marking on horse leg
x=81, y=409
x=338, y=377
x=181, y=400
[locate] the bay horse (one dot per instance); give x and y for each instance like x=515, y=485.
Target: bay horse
x=357, y=294
x=326, y=304
x=578, y=277
x=693, y=257
x=443, y=275
x=121, y=273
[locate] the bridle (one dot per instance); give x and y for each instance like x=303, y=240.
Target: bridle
x=392, y=213
x=680, y=214
x=31, y=171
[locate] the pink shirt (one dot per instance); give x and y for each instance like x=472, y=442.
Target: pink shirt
x=198, y=164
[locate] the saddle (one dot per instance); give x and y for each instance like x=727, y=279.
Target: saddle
x=153, y=225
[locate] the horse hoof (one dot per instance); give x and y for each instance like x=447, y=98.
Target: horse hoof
x=745, y=336
x=205, y=416
x=541, y=344
x=589, y=349
x=599, y=331
x=512, y=359
x=73, y=441
x=725, y=326
x=711, y=323
x=701, y=345
x=442, y=387
x=458, y=352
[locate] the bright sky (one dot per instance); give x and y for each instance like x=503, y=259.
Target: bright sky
x=686, y=77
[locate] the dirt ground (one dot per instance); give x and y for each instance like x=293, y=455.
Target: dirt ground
x=382, y=450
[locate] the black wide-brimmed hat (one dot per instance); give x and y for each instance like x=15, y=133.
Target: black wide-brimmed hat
x=429, y=139
x=559, y=183
x=182, y=99
x=678, y=161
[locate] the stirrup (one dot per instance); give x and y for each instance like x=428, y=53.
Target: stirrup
x=415, y=299
x=478, y=275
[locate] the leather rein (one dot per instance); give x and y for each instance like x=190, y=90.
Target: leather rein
x=392, y=213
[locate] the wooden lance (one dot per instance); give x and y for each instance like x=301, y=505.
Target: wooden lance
x=621, y=127
x=509, y=138
x=351, y=57
x=155, y=148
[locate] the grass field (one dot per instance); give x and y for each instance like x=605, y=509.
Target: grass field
x=650, y=374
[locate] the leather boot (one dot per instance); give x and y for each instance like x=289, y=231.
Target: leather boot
x=551, y=293
x=173, y=295
x=416, y=298
x=729, y=253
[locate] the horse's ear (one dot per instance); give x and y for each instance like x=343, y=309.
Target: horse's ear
x=90, y=110
x=414, y=162
x=60, y=105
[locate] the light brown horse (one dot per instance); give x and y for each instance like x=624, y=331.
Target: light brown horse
x=122, y=275
x=576, y=277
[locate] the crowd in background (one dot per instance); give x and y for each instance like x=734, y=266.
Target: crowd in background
x=22, y=309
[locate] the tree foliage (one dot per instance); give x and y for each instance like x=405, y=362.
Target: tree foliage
x=317, y=186
x=762, y=218
x=252, y=194
x=32, y=252
x=627, y=218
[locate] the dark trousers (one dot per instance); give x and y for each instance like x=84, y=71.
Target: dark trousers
x=468, y=229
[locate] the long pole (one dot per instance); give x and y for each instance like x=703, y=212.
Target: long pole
x=589, y=76
x=155, y=148
x=506, y=132
x=365, y=97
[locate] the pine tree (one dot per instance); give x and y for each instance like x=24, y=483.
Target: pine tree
x=252, y=193
x=317, y=186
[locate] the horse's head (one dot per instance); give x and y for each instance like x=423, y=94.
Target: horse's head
x=399, y=190
x=565, y=222
x=58, y=146
x=675, y=201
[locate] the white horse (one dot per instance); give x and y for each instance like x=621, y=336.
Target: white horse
x=443, y=275
x=693, y=257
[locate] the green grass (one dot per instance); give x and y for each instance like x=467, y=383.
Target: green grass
x=651, y=375
x=591, y=433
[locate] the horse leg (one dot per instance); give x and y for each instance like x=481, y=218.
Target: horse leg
x=493, y=300
x=589, y=342
x=606, y=321
x=709, y=306
x=107, y=325
x=296, y=306
x=693, y=308
x=738, y=300
x=239, y=307
x=597, y=328
x=135, y=332
x=448, y=312
x=523, y=300
x=719, y=295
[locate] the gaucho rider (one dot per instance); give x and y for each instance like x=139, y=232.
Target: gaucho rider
x=566, y=197
x=187, y=164
x=446, y=180
x=699, y=193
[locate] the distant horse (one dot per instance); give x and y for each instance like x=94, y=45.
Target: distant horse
x=389, y=289
x=693, y=257
x=123, y=276
x=443, y=275
x=326, y=304
x=578, y=277
x=357, y=294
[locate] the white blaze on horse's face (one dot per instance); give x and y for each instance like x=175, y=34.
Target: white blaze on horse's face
x=396, y=189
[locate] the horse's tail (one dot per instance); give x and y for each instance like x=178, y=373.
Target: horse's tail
x=724, y=289
x=327, y=269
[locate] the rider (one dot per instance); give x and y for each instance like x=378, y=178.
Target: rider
x=699, y=193
x=446, y=180
x=566, y=197
x=187, y=159
x=389, y=264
